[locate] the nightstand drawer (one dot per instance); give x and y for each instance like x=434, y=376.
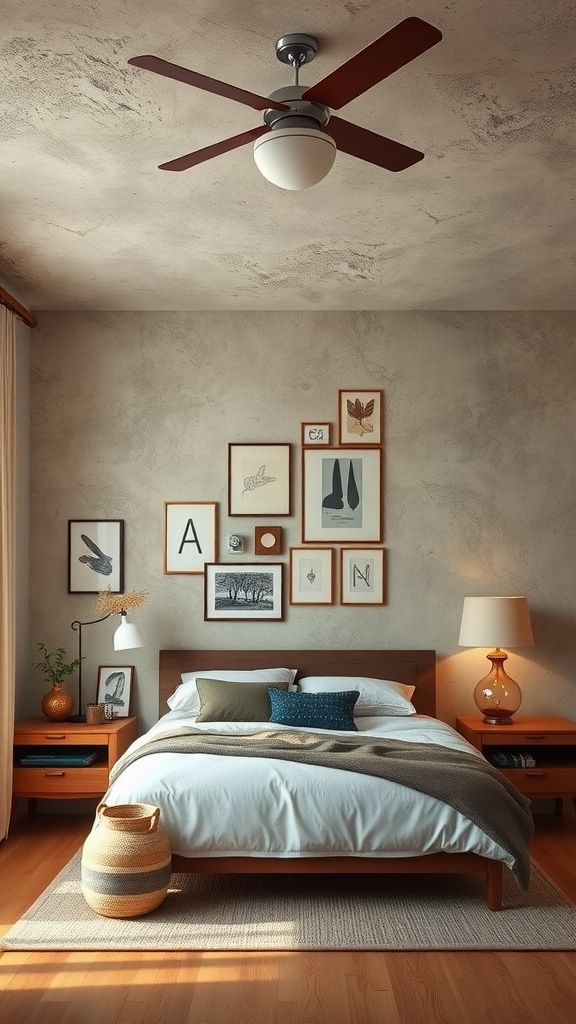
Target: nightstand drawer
x=543, y=781
x=528, y=739
x=54, y=737
x=61, y=782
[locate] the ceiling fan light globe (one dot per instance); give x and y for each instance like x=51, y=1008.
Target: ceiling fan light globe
x=294, y=158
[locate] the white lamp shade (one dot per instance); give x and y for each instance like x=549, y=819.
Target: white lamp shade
x=495, y=622
x=127, y=636
x=294, y=158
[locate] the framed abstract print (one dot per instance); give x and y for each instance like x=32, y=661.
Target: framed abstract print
x=259, y=479
x=360, y=418
x=316, y=435
x=95, y=555
x=311, y=575
x=341, y=495
x=362, y=576
x=114, y=686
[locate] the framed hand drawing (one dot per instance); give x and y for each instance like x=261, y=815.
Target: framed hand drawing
x=243, y=590
x=95, y=555
x=190, y=535
x=316, y=435
x=360, y=418
x=311, y=575
x=114, y=686
x=341, y=491
x=362, y=576
x=259, y=479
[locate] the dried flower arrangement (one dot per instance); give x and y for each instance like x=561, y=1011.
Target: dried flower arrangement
x=108, y=603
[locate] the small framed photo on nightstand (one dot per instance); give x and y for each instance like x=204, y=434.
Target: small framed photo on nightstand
x=114, y=686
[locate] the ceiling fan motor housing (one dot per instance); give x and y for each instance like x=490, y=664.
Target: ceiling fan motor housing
x=302, y=113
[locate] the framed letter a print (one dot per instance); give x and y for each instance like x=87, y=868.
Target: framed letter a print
x=190, y=536
x=341, y=490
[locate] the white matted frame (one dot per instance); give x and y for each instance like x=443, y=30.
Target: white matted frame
x=95, y=555
x=114, y=688
x=316, y=435
x=312, y=575
x=362, y=576
x=190, y=536
x=341, y=495
x=259, y=479
x=360, y=417
x=244, y=590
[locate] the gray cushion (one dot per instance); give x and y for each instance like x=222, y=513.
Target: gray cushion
x=222, y=701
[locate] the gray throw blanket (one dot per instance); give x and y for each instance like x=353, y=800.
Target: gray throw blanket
x=463, y=780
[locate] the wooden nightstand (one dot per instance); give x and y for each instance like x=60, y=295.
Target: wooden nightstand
x=109, y=740
x=550, y=741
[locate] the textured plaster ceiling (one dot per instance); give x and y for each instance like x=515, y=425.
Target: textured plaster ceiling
x=485, y=221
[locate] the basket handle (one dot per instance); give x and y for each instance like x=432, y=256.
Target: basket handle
x=100, y=809
x=154, y=819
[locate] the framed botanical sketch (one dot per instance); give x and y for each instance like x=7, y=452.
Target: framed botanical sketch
x=114, y=686
x=362, y=576
x=360, y=418
x=311, y=575
x=341, y=491
x=95, y=555
x=316, y=435
x=259, y=479
x=243, y=590
x=268, y=540
x=190, y=536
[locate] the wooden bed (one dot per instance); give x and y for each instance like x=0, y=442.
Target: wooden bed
x=415, y=667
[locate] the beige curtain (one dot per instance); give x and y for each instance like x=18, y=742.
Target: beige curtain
x=7, y=559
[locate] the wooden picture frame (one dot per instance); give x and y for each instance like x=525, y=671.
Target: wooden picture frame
x=362, y=576
x=268, y=540
x=312, y=575
x=244, y=590
x=190, y=536
x=341, y=495
x=316, y=435
x=259, y=479
x=114, y=688
x=359, y=418
x=95, y=555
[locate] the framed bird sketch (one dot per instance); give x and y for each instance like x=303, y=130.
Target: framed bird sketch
x=259, y=480
x=95, y=556
x=114, y=686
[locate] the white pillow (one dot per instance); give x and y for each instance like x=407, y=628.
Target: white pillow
x=185, y=696
x=377, y=696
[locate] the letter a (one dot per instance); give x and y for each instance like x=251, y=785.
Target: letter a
x=192, y=540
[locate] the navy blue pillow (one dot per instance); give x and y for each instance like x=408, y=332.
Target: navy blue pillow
x=314, y=710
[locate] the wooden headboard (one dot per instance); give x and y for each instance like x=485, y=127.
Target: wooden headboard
x=417, y=668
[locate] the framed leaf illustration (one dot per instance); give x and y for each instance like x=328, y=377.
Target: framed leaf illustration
x=360, y=418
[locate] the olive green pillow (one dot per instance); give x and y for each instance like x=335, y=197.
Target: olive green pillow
x=222, y=701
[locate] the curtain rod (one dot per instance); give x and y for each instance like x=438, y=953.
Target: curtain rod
x=16, y=307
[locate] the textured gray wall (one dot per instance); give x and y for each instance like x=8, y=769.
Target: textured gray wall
x=132, y=409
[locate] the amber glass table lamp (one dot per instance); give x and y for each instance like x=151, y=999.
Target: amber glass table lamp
x=496, y=622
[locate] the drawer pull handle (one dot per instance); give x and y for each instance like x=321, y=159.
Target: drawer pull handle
x=55, y=736
x=54, y=775
x=535, y=775
x=535, y=736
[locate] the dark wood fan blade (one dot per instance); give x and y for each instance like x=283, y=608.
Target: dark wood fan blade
x=391, y=51
x=376, y=149
x=182, y=163
x=163, y=67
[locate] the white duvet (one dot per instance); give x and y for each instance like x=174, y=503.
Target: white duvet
x=218, y=806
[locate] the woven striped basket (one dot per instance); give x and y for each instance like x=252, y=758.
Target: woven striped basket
x=126, y=861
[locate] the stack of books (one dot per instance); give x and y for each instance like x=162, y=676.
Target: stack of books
x=58, y=759
x=511, y=759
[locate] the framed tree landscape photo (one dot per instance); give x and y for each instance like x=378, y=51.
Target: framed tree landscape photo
x=259, y=480
x=244, y=590
x=95, y=555
x=190, y=536
x=360, y=418
x=341, y=495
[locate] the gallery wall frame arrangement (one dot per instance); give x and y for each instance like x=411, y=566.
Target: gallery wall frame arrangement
x=268, y=540
x=362, y=576
x=190, y=536
x=316, y=435
x=259, y=477
x=359, y=417
x=244, y=590
x=95, y=555
x=114, y=688
x=312, y=575
x=341, y=495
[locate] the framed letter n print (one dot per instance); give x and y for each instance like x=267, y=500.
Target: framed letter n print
x=190, y=536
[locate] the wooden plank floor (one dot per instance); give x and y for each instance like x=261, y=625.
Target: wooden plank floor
x=272, y=988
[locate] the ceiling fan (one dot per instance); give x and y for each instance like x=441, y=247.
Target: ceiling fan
x=296, y=146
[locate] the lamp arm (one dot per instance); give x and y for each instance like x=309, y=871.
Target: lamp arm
x=77, y=626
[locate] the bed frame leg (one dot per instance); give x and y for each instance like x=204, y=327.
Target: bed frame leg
x=494, y=885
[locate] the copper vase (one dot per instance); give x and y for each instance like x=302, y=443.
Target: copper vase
x=57, y=703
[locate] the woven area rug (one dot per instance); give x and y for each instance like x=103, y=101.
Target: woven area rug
x=305, y=912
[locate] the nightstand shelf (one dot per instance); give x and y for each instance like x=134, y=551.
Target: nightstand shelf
x=549, y=742
x=109, y=741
